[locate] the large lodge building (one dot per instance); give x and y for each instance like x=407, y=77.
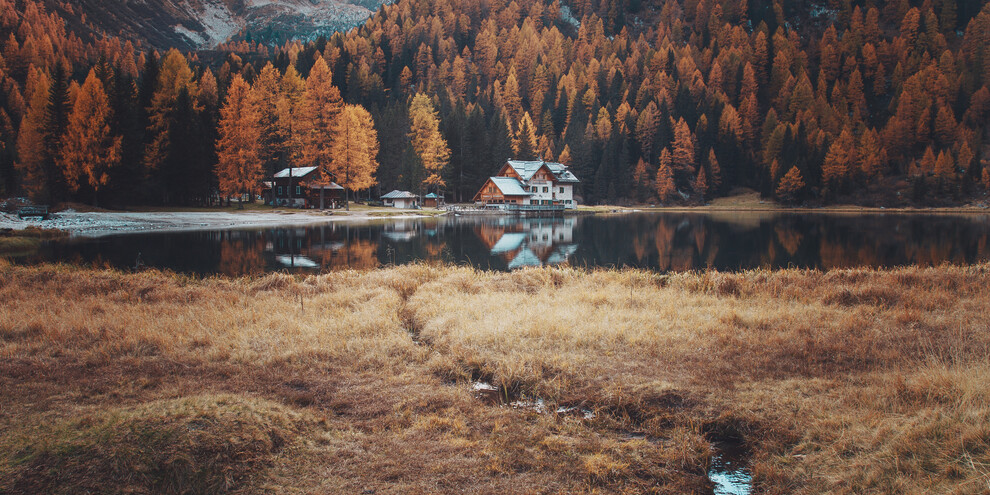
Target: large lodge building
x=525, y=183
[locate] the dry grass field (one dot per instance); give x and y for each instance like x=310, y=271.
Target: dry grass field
x=849, y=381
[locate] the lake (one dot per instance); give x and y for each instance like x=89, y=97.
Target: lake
x=666, y=241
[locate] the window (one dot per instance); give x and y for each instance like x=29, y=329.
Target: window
x=561, y=189
x=298, y=190
x=279, y=190
x=546, y=189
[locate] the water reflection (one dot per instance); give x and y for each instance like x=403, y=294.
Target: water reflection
x=658, y=241
x=529, y=242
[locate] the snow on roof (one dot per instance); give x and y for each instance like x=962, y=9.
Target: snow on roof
x=526, y=169
x=332, y=185
x=296, y=172
x=509, y=186
x=397, y=194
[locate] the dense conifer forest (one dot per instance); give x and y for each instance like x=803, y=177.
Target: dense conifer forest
x=648, y=101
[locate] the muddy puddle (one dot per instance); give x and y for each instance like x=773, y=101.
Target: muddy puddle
x=729, y=470
x=496, y=396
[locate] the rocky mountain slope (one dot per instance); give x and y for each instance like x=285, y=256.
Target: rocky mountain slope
x=199, y=24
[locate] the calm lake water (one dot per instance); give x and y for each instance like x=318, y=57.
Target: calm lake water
x=656, y=241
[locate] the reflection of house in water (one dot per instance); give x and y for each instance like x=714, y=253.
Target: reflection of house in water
x=529, y=242
x=401, y=231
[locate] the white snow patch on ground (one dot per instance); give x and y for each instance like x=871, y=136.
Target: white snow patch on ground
x=219, y=22
x=568, y=17
x=193, y=36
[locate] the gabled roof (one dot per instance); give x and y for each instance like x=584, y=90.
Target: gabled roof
x=509, y=186
x=296, y=172
x=526, y=169
x=397, y=194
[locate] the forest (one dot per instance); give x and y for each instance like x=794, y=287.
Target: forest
x=648, y=101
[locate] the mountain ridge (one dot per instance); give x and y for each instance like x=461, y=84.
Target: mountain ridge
x=205, y=24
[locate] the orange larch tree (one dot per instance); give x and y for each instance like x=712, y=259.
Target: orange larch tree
x=701, y=183
x=319, y=123
x=238, y=167
x=872, y=155
x=682, y=156
x=90, y=149
x=174, y=77
x=355, y=151
x=839, y=160
x=265, y=95
x=665, y=177
x=31, y=139
x=428, y=143
x=791, y=185
x=288, y=108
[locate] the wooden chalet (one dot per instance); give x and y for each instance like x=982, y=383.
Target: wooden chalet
x=530, y=184
x=299, y=187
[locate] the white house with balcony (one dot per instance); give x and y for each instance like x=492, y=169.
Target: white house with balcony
x=530, y=183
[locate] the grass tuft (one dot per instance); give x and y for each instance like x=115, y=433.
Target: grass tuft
x=200, y=444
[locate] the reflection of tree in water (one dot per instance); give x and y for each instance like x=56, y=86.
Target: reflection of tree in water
x=434, y=249
x=788, y=236
x=359, y=254
x=664, y=241
x=641, y=246
x=241, y=254
x=684, y=243
x=905, y=240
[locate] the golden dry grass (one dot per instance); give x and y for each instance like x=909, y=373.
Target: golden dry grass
x=26, y=241
x=850, y=381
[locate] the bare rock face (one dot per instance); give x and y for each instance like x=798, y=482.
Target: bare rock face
x=204, y=24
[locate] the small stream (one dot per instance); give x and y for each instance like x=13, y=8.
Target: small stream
x=729, y=470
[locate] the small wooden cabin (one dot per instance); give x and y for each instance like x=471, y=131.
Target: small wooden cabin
x=298, y=187
x=433, y=200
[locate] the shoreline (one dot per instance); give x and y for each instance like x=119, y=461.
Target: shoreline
x=99, y=224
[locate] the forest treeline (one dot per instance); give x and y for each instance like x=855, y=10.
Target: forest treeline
x=646, y=100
